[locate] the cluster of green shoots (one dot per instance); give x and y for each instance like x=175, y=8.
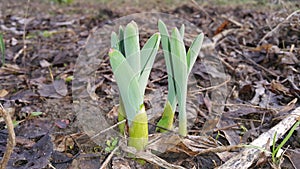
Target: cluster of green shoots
x=131, y=68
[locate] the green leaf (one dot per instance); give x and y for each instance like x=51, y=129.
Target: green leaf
x=177, y=46
x=180, y=74
x=107, y=149
x=121, y=116
x=15, y=123
x=181, y=91
x=148, y=54
x=193, y=51
x=47, y=34
x=114, y=142
x=63, y=1
x=116, y=58
x=273, y=144
x=127, y=83
x=35, y=114
x=182, y=31
x=168, y=59
x=2, y=48
x=138, y=132
x=114, y=42
x=108, y=143
x=121, y=40
x=69, y=79
x=132, y=46
x=166, y=121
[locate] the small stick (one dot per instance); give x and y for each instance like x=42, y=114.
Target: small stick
x=11, y=142
x=234, y=22
x=107, y=160
x=211, y=87
x=225, y=63
x=21, y=51
x=111, y=127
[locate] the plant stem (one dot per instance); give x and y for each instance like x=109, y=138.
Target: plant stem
x=2, y=49
x=182, y=114
x=121, y=116
x=138, y=131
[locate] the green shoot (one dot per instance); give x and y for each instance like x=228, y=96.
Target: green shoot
x=35, y=114
x=111, y=144
x=131, y=68
x=63, y=1
x=121, y=116
x=166, y=119
x=275, y=151
x=179, y=65
x=218, y=135
x=15, y=123
x=47, y=34
x=138, y=132
x=2, y=49
x=69, y=79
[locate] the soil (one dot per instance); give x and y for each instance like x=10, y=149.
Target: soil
x=257, y=44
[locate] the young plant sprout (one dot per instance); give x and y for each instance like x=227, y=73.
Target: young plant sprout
x=2, y=48
x=179, y=65
x=131, y=68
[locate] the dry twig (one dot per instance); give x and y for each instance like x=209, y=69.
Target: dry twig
x=107, y=160
x=107, y=129
x=211, y=87
x=11, y=142
x=225, y=63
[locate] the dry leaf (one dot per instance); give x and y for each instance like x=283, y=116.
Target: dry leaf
x=278, y=87
x=3, y=92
